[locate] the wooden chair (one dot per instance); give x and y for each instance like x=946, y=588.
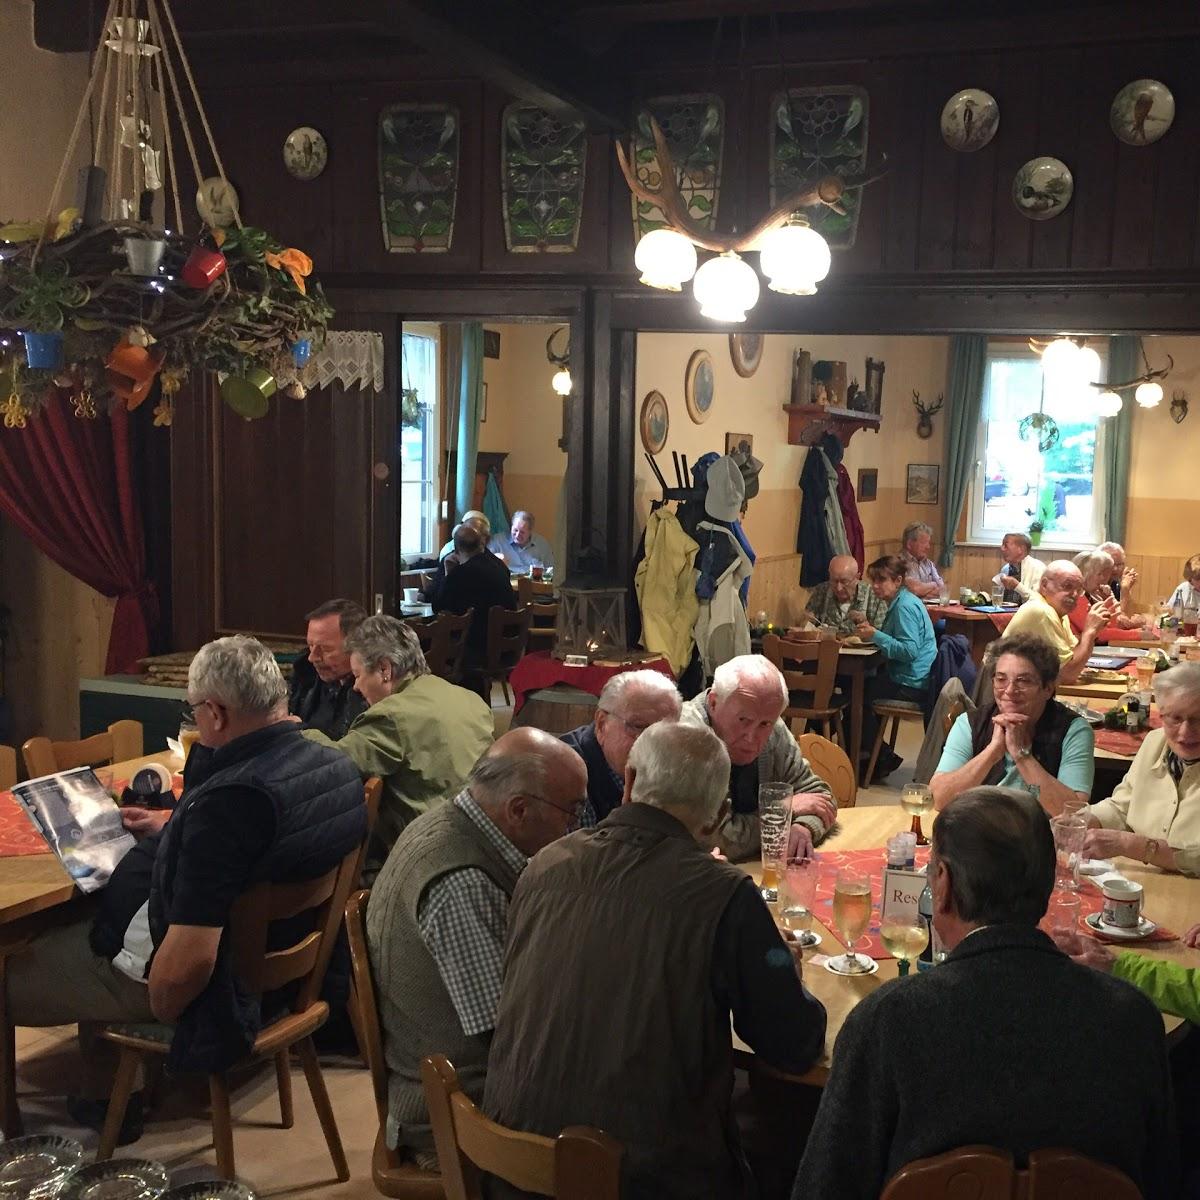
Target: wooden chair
x=123, y=740
x=543, y=626
x=434, y=646
x=582, y=1163
x=894, y=711
x=508, y=635
x=534, y=591
x=455, y=630
x=8, y=768
x=832, y=763
x=809, y=669
x=985, y=1173
x=391, y=1175
x=260, y=971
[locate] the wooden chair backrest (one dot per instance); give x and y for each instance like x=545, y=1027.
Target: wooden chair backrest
x=122, y=740
x=435, y=647
x=533, y=591
x=543, y=617
x=808, y=668
x=305, y=961
x=832, y=763
x=986, y=1173
x=368, y=1005
x=456, y=629
x=8, y=768
x=508, y=633
x=953, y=712
x=582, y=1163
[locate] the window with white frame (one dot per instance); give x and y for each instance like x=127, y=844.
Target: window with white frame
x=419, y=448
x=1029, y=469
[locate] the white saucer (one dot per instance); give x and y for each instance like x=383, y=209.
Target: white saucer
x=1095, y=866
x=857, y=974
x=1145, y=929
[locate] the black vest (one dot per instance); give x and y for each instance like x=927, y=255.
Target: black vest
x=1048, y=736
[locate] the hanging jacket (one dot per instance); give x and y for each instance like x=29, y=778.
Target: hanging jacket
x=493, y=506
x=722, y=630
x=812, y=537
x=748, y=550
x=665, y=587
x=834, y=524
x=952, y=661
x=850, y=518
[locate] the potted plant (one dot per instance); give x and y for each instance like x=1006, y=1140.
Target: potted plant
x=1035, y=532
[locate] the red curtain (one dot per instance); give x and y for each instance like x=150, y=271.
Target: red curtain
x=68, y=485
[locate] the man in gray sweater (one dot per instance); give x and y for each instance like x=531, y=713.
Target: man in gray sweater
x=744, y=708
x=1008, y=1043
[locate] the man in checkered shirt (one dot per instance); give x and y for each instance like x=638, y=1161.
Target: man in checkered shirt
x=438, y=914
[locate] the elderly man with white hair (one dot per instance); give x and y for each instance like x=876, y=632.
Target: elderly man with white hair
x=629, y=950
x=1044, y=615
x=260, y=804
x=522, y=548
x=744, y=708
x=922, y=577
x=628, y=705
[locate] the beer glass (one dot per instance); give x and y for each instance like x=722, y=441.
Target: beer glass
x=796, y=903
x=774, y=824
x=851, y=916
x=1070, y=829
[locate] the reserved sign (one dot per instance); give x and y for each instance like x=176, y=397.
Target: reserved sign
x=901, y=893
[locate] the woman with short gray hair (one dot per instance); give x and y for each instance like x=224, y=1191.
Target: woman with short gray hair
x=420, y=734
x=1096, y=567
x=1154, y=813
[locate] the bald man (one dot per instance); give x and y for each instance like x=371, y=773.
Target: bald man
x=832, y=603
x=439, y=913
x=1044, y=615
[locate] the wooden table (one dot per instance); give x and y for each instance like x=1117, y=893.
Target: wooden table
x=978, y=628
x=1171, y=900
x=855, y=663
x=34, y=883
x=1098, y=690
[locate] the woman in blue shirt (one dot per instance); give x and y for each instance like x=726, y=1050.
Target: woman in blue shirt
x=908, y=646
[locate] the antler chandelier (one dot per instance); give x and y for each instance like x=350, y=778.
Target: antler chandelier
x=1073, y=359
x=793, y=256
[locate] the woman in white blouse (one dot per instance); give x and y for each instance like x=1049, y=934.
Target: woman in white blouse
x=1154, y=813
x=1187, y=594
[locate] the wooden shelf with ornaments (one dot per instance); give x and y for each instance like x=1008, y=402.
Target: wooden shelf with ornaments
x=808, y=423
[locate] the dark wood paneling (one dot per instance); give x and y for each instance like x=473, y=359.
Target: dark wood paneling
x=1177, y=160
x=1094, y=166
x=1058, y=123
x=974, y=173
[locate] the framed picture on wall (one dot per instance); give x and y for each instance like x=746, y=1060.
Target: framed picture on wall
x=736, y=441
x=868, y=484
x=483, y=403
x=923, y=483
x=491, y=343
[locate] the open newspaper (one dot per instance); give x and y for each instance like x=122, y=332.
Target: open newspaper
x=80, y=822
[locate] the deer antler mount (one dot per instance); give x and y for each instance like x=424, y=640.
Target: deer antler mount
x=926, y=414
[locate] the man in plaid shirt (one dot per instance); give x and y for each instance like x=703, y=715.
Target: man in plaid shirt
x=438, y=915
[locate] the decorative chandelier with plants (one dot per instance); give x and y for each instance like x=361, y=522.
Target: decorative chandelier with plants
x=101, y=302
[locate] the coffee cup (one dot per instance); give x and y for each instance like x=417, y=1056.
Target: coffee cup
x=1122, y=903
x=412, y=595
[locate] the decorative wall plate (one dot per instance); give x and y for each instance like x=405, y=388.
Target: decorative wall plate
x=654, y=422
x=1142, y=111
x=970, y=119
x=1042, y=188
x=216, y=202
x=699, y=386
x=305, y=153
x=746, y=351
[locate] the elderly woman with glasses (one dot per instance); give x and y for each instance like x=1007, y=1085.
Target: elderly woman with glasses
x=1096, y=567
x=1154, y=813
x=1024, y=738
x=420, y=734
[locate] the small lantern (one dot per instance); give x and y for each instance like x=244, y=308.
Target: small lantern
x=591, y=622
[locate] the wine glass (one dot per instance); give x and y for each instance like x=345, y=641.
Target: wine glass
x=905, y=941
x=851, y=915
x=796, y=901
x=916, y=799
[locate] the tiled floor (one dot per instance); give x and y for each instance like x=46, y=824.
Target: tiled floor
x=276, y=1162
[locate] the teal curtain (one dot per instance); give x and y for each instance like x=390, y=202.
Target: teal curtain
x=1124, y=362
x=470, y=408
x=968, y=362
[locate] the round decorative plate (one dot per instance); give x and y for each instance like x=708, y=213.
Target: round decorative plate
x=216, y=202
x=699, y=386
x=34, y=1167
x=746, y=351
x=305, y=152
x=654, y=422
x=117, y=1179
x=1142, y=111
x=1042, y=188
x=215, y=1189
x=970, y=119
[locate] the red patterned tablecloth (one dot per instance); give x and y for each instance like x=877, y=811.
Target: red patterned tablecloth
x=1091, y=901
x=1118, y=741
x=18, y=834
x=541, y=670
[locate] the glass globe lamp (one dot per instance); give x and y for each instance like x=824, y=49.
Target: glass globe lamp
x=1108, y=404
x=726, y=288
x=666, y=259
x=1149, y=395
x=794, y=259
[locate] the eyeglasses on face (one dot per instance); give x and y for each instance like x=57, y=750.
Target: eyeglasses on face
x=1022, y=683
x=575, y=812
x=634, y=727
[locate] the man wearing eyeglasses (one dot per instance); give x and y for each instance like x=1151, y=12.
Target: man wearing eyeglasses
x=1044, y=615
x=438, y=917
x=1024, y=739
x=629, y=704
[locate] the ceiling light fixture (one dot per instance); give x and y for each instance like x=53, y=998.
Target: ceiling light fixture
x=1108, y=404
x=793, y=256
x=1149, y=395
x=561, y=380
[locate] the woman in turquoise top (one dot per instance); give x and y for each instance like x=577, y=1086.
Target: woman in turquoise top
x=908, y=646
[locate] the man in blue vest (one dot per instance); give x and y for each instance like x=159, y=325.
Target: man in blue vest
x=260, y=804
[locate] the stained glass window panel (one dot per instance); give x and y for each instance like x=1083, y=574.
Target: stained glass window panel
x=543, y=161
x=418, y=176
